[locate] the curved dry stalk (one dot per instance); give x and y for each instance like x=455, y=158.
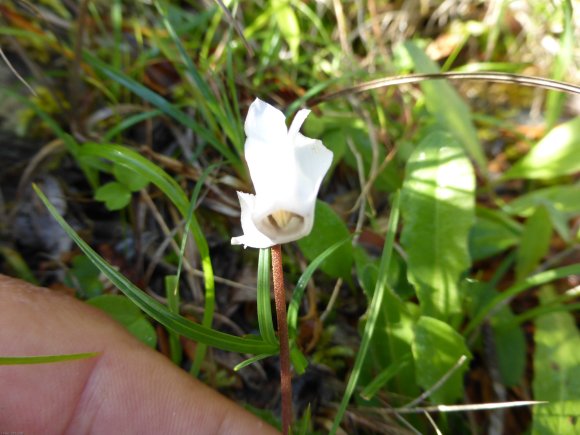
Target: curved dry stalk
x=495, y=77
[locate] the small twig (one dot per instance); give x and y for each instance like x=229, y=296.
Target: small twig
x=16, y=73
x=332, y=300
x=285, y=375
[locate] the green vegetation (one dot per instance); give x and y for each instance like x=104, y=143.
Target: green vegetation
x=444, y=261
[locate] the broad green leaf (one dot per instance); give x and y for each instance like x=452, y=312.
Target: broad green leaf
x=492, y=233
x=557, y=372
x=557, y=154
x=115, y=195
x=510, y=347
x=327, y=229
x=127, y=314
x=444, y=103
x=129, y=178
x=436, y=349
x=534, y=243
x=563, y=198
x=438, y=213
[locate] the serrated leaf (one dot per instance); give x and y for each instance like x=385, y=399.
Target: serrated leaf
x=557, y=154
x=436, y=349
x=114, y=194
x=557, y=372
x=327, y=229
x=534, y=243
x=438, y=213
x=127, y=314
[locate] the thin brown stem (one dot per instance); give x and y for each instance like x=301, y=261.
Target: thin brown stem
x=285, y=375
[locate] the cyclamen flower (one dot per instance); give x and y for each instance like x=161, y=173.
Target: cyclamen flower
x=286, y=169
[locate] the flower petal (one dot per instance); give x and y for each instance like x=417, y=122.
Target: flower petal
x=297, y=122
x=264, y=122
x=251, y=237
x=313, y=160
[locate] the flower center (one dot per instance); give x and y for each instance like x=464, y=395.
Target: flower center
x=280, y=219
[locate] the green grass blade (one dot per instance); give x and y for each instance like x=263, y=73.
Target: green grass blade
x=210, y=104
x=373, y=311
x=208, y=278
x=263, y=298
x=157, y=310
x=250, y=361
x=385, y=376
x=555, y=100
x=532, y=281
x=172, y=294
x=129, y=122
x=43, y=359
x=137, y=163
x=162, y=104
x=301, y=285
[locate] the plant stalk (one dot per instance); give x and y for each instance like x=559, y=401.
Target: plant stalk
x=285, y=375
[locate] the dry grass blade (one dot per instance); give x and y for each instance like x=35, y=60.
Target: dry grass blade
x=462, y=408
x=16, y=73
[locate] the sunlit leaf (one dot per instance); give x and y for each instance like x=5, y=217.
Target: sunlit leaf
x=534, y=243
x=557, y=368
x=555, y=155
x=438, y=213
x=445, y=104
x=436, y=350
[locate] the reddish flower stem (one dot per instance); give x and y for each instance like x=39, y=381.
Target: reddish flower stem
x=285, y=375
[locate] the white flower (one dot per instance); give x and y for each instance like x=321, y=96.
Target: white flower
x=286, y=169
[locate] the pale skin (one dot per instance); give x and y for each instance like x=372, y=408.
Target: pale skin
x=128, y=388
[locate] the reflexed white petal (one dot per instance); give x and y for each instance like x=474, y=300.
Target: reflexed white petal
x=269, y=163
x=313, y=160
x=264, y=122
x=297, y=122
x=252, y=237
